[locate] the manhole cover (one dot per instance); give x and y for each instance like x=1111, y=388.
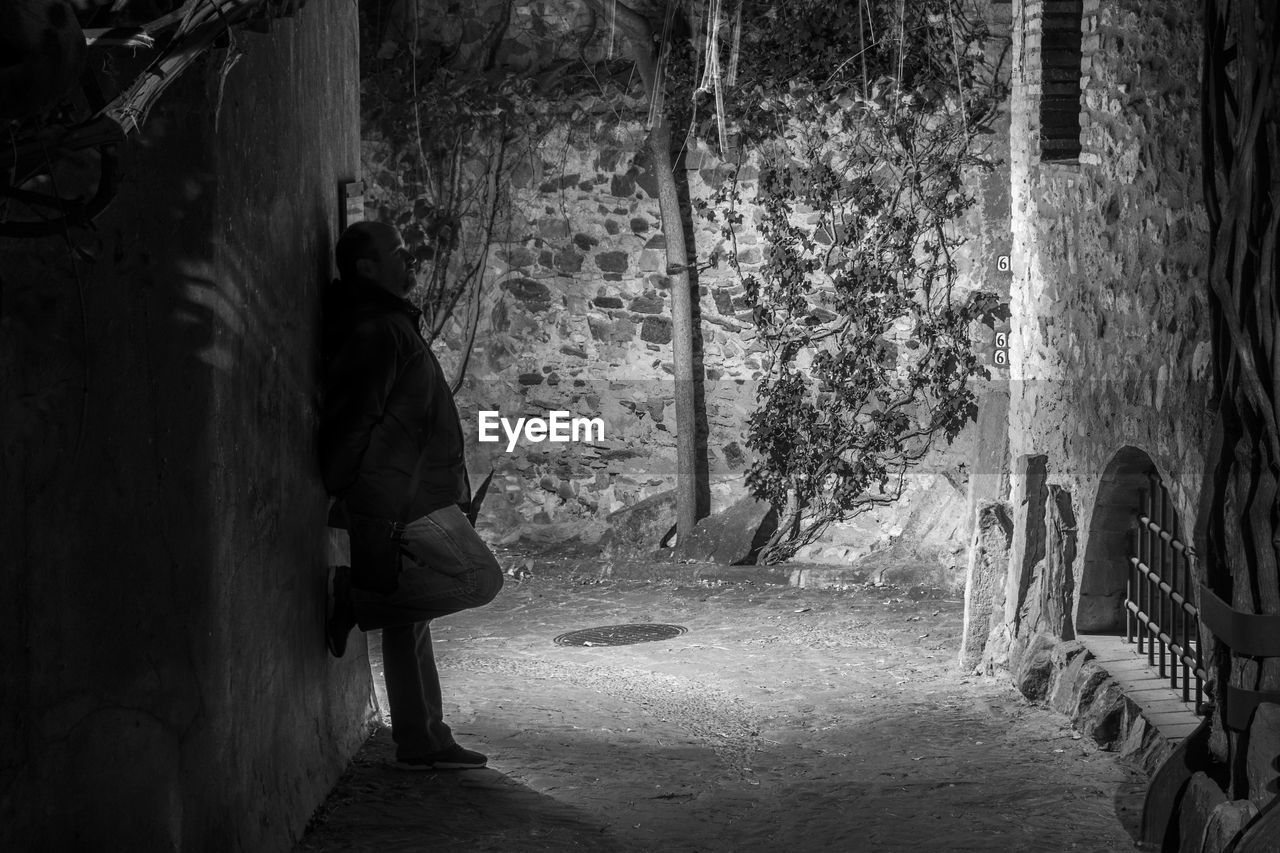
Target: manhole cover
x=620, y=635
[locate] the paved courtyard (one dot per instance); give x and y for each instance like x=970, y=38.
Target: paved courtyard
x=783, y=719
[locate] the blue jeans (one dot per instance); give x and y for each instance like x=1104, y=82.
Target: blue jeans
x=445, y=567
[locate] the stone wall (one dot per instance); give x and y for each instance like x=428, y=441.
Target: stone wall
x=1110, y=371
x=575, y=317
x=1108, y=345
x=166, y=684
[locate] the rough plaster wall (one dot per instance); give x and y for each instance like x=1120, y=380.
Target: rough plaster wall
x=576, y=318
x=1108, y=345
x=166, y=683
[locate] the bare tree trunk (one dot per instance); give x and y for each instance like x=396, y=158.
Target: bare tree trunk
x=640, y=34
x=681, y=330
x=781, y=544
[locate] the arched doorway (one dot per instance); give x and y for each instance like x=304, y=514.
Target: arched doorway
x=1113, y=526
x=1137, y=579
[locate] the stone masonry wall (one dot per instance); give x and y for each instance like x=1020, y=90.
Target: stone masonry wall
x=1108, y=343
x=575, y=317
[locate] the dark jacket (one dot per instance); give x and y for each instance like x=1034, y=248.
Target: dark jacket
x=390, y=440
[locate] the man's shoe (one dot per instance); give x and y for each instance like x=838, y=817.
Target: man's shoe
x=342, y=616
x=450, y=758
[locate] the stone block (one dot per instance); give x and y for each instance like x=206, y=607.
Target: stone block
x=615, y=262
x=553, y=228
x=723, y=301
x=567, y=261
x=987, y=571
x=1226, y=822
x=1136, y=738
x=997, y=651
x=622, y=185
x=652, y=261
x=1069, y=659
x=619, y=331
x=1198, y=802
x=1102, y=708
x=656, y=330
x=733, y=455
x=1031, y=666
x=1030, y=499
x=649, y=303
x=639, y=530
x=1058, y=582
x=730, y=537
x=533, y=295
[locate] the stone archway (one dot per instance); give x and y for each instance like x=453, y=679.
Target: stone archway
x=1112, y=526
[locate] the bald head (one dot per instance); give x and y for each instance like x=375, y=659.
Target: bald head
x=374, y=252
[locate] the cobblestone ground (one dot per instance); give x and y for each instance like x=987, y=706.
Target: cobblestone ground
x=783, y=720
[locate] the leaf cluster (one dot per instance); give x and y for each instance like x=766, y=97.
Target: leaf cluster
x=863, y=145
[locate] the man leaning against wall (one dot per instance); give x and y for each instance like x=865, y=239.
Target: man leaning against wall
x=391, y=452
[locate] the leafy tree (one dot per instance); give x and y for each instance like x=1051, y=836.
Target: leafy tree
x=864, y=127
x=861, y=119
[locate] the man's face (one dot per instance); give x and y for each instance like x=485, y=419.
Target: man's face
x=394, y=264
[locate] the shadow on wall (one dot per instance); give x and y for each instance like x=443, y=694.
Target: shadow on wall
x=116, y=589
x=159, y=497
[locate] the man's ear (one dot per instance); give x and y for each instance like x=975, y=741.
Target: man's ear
x=367, y=268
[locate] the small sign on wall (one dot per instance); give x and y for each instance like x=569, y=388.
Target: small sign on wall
x=352, y=203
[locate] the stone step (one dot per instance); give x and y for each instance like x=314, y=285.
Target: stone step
x=1161, y=705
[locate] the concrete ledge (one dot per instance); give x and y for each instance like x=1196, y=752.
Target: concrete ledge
x=709, y=573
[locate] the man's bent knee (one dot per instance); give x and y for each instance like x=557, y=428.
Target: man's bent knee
x=486, y=582
x=489, y=584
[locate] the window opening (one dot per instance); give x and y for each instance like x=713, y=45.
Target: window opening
x=1061, y=58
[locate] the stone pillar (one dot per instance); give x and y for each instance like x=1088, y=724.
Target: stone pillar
x=987, y=571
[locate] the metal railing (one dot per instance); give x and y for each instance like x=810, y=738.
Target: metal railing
x=1159, y=612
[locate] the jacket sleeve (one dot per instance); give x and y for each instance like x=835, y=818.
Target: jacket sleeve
x=359, y=380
